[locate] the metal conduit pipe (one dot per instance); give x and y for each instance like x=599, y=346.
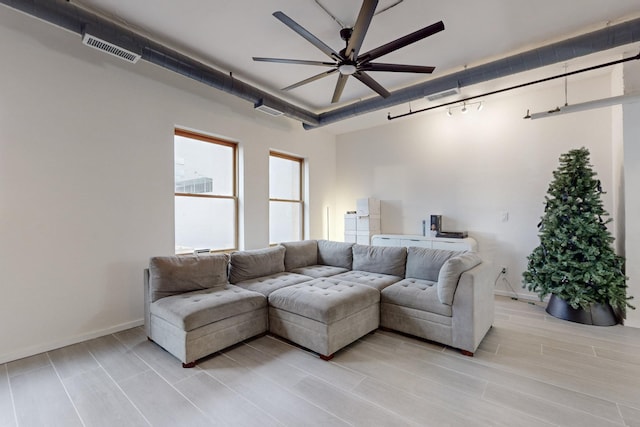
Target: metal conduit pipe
x=596, y=41
x=70, y=17
x=75, y=19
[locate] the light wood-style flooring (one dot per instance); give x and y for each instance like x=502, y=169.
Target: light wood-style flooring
x=531, y=370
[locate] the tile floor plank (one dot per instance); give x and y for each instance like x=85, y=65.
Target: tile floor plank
x=119, y=361
x=462, y=400
x=418, y=410
x=40, y=399
x=7, y=413
x=281, y=404
x=100, y=402
x=221, y=404
x=321, y=393
x=161, y=404
x=73, y=360
x=338, y=376
x=162, y=361
x=498, y=375
x=544, y=409
x=631, y=416
x=28, y=364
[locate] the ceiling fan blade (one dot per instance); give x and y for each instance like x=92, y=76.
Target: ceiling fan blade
x=294, y=61
x=360, y=28
x=306, y=35
x=374, y=85
x=401, y=42
x=310, y=79
x=397, y=68
x=337, y=93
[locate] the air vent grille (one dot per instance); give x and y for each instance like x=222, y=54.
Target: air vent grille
x=443, y=94
x=109, y=48
x=260, y=105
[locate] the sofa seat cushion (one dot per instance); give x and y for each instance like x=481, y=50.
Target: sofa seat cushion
x=324, y=300
x=374, y=280
x=319, y=270
x=191, y=310
x=267, y=284
x=300, y=254
x=417, y=294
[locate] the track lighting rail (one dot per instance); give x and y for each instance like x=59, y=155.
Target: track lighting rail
x=546, y=79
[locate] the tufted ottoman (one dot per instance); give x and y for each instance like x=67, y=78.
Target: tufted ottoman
x=324, y=314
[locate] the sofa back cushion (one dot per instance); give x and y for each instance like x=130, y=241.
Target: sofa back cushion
x=336, y=254
x=450, y=274
x=300, y=254
x=172, y=275
x=380, y=259
x=246, y=265
x=425, y=263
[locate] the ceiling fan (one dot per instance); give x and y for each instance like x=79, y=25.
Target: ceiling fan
x=349, y=61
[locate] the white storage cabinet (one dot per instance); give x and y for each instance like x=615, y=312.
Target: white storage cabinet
x=365, y=223
x=406, y=240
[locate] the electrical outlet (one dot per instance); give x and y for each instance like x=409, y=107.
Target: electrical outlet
x=503, y=270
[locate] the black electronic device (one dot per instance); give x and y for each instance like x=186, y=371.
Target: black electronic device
x=453, y=234
x=436, y=223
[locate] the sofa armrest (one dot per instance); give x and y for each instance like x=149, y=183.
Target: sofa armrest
x=473, y=307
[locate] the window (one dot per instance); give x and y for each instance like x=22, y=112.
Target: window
x=286, y=206
x=206, y=202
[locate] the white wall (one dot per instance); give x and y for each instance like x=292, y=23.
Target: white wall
x=631, y=131
x=472, y=167
x=86, y=180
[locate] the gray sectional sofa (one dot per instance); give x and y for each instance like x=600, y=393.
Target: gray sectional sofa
x=320, y=294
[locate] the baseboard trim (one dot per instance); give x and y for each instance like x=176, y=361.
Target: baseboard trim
x=63, y=342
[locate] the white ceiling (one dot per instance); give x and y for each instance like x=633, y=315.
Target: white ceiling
x=227, y=34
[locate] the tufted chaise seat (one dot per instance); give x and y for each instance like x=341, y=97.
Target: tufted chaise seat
x=192, y=311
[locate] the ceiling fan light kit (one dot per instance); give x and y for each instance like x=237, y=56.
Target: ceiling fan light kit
x=349, y=61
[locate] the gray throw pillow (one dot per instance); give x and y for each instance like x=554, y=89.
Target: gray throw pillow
x=335, y=254
x=171, y=275
x=380, y=259
x=450, y=274
x=425, y=263
x=246, y=265
x=300, y=254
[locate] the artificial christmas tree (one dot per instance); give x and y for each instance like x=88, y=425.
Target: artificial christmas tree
x=575, y=261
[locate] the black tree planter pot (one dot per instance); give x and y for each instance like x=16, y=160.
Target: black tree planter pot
x=597, y=314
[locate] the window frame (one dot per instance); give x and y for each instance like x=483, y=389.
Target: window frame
x=299, y=201
x=234, y=196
